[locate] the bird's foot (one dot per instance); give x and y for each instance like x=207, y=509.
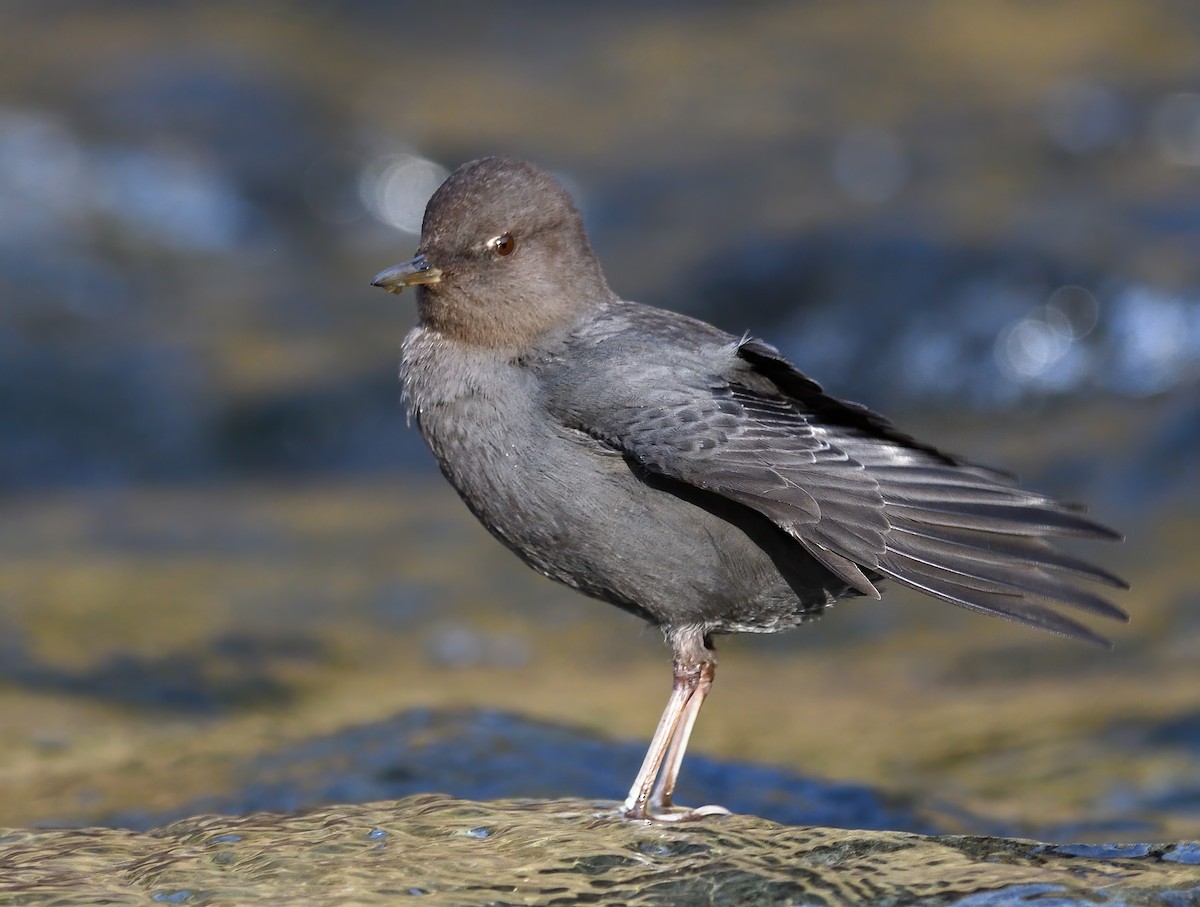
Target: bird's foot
x=667, y=813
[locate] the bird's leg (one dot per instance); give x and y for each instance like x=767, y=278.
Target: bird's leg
x=682, y=688
x=695, y=664
x=661, y=798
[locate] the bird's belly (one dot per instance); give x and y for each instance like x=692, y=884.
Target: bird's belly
x=576, y=512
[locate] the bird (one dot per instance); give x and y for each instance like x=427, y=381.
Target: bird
x=692, y=477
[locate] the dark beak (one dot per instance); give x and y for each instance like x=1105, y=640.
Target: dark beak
x=412, y=272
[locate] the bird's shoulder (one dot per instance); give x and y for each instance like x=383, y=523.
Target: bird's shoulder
x=628, y=333
x=627, y=360
x=664, y=371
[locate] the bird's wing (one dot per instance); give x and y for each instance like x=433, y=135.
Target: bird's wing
x=860, y=496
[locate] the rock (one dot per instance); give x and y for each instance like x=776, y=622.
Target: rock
x=568, y=852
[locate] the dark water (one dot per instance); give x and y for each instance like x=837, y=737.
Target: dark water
x=230, y=579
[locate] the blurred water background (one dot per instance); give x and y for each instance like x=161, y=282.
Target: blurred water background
x=220, y=545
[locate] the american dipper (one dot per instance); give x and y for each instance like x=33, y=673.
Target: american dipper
x=694, y=478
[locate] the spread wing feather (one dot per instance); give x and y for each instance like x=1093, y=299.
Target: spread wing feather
x=863, y=498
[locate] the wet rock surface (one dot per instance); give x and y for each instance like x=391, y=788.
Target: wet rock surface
x=509, y=852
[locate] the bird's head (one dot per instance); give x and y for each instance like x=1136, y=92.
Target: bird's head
x=503, y=256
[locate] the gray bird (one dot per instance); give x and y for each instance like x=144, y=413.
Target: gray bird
x=691, y=477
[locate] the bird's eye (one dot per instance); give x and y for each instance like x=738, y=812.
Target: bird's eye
x=504, y=244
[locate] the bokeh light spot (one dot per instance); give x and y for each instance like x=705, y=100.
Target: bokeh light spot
x=395, y=188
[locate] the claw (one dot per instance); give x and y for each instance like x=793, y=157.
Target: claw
x=679, y=813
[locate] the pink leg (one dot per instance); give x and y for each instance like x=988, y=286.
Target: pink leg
x=639, y=795
x=695, y=665
x=661, y=798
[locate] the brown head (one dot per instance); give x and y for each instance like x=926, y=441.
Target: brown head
x=503, y=257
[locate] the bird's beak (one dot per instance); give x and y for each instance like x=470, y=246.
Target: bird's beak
x=410, y=273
